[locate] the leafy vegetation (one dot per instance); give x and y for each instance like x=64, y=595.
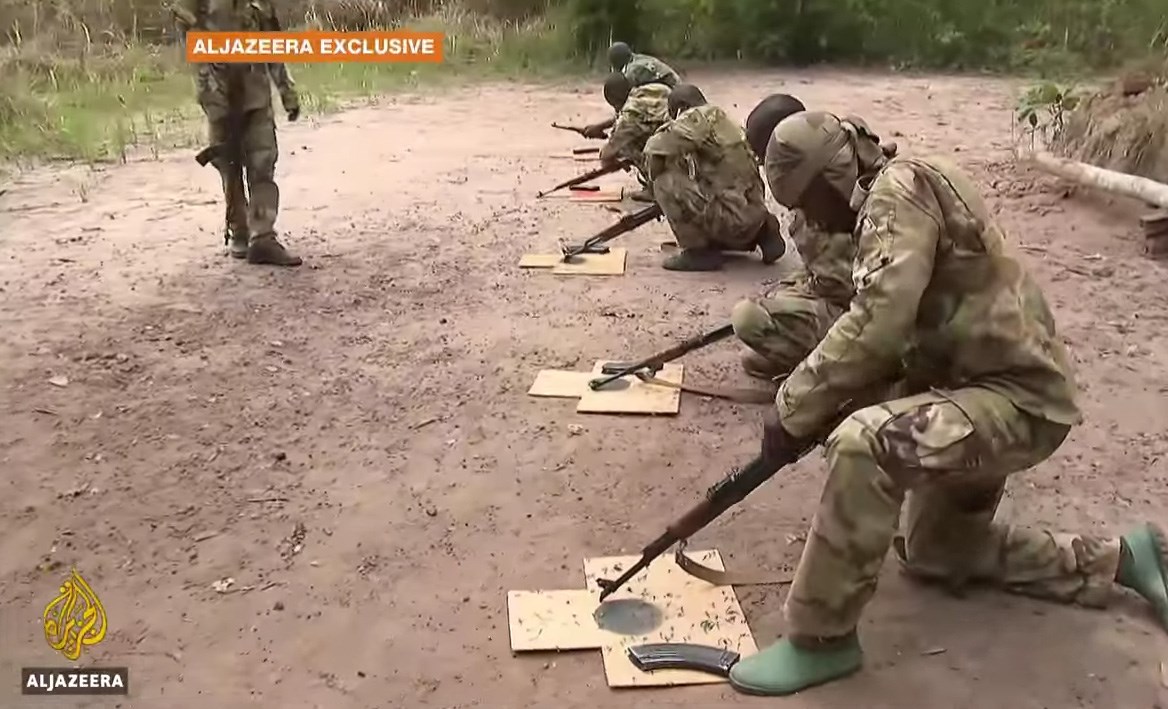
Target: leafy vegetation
x=92, y=78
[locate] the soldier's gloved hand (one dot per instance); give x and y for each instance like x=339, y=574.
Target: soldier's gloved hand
x=594, y=131
x=778, y=445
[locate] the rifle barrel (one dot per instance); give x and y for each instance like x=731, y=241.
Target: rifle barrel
x=661, y=358
x=723, y=495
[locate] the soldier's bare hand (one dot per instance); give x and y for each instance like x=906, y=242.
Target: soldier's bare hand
x=594, y=131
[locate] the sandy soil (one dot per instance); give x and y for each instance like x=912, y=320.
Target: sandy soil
x=352, y=440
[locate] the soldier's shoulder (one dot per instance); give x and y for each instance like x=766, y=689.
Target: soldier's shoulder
x=901, y=177
x=651, y=92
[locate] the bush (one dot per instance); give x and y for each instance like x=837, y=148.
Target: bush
x=925, y=33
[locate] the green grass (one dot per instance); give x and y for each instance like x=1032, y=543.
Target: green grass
x=107, y=103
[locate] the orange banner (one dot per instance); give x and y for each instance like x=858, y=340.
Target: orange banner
x=315, y=47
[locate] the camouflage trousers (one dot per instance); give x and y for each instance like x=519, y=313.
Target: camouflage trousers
x=786, y=325
x=726, y=221
x=253, y=213
x=950, y=454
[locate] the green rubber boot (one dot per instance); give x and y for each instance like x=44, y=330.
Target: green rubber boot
x=783, y=669
x=1143, y=567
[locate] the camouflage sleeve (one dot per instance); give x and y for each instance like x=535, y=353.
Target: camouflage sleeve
x=184, y=15
x=279, y=73
x=626, y=139
x=895, y=250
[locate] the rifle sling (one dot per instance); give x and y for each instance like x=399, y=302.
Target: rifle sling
x=741, y=396
x=725, y=578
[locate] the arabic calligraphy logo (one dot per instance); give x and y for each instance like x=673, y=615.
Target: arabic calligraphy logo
x=74, y=618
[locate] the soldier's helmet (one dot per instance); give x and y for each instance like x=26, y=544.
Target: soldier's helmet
x=766, y=115
x=619, y=54
x=616, y=89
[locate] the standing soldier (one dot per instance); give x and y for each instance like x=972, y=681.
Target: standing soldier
x=705, y=177
x=237, y=100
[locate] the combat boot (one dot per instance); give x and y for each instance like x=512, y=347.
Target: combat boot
x=236, y=244
x=759, y=367
x=788, y=667
x=770, y=241
x=267, y=250
x=1143, y=567
x=694, y=260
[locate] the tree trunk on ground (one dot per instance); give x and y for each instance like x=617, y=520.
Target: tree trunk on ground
x=1140, y=188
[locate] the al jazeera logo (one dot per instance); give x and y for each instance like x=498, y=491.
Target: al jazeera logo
x=73, y=621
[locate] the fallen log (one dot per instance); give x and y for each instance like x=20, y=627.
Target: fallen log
x=1140, y=188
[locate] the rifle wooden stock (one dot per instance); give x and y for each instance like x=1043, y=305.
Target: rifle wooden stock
x=723, y=495
x=659, y=360
x=590, y=175
x=209, y=154
x=624, y=225
x=573, y=129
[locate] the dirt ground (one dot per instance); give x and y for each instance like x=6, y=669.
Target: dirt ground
x=351, y=442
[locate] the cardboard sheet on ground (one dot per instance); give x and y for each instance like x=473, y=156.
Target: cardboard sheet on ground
x=610, y=264
x=638, y=397
x=635, y=396
x=578, y=157
x=603, y=195
x=662, y=604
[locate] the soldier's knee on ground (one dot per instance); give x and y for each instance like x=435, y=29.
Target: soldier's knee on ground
x=751, y=321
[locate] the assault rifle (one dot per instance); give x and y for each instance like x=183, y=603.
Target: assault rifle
x=575, y=129
x=653, y=364
x=232, y=148
x=723, y=495
x=624, y=225
x=621, y=164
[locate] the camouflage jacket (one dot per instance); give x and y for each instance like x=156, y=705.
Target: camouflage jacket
x=827, y=262
x=938, y=301
x=643, y=69
x=218, y=83
x=703, y=156
x=645, y=110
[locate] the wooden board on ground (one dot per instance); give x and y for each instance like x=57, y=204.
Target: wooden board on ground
x=610, y=264
x=580, y=157
x=663, y=604
x=602, y=196
x=638, y=397
x=554, y=620
x=559, y=383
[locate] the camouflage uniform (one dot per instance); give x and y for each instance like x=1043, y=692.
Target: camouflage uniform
x=988, y=385
x=785, y=325
x=241, y=92
x=705, y=178
x=645, y=110
x=643, y=69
